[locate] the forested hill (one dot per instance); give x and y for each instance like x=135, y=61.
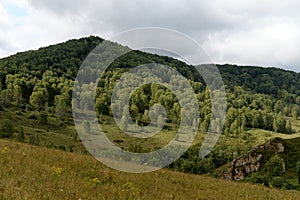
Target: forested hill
x=65, y=59
x=261, y=80
x=36, y=89
x=61, y=58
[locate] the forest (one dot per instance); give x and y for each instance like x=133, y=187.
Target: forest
x=40, y=84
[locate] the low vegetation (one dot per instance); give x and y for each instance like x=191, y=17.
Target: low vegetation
x=26, y=173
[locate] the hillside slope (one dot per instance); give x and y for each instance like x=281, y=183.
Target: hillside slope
x=66, y=58
x=35, y=108
x=275, y=159
x=29, y=172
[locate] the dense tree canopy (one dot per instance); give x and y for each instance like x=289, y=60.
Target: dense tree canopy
x=43, y=79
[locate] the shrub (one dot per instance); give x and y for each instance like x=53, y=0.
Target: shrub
x=275, y=166
x=62, y=147
x=34, y=139
x=43, y=117
x=298, y=171
x=277, y=182
x=18, y=112
x=258, y=178
x=6, y=128
x=86, y=126
x=21, y=135
x=31, y=116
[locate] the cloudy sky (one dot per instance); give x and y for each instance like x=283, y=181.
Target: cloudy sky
x=241, y=32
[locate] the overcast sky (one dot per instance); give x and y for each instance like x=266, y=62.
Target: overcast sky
x=247, y=32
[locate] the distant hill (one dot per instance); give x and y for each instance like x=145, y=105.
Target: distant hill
x=261, y=80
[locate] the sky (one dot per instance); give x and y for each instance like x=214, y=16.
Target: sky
x=247, y=32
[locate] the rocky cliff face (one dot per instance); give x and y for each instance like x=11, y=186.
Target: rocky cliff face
x=253, y=160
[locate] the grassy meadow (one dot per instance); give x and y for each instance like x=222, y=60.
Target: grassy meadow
x=29, y=172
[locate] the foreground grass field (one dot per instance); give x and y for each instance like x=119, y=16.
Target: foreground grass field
x=28, y=172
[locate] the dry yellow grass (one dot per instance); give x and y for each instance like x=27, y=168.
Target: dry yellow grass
x=28, y=172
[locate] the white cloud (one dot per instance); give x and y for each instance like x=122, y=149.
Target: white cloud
x=242, y=32
x=272, y=44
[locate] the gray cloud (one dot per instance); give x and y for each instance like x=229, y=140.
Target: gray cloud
x=242, y=32
x=6, y=47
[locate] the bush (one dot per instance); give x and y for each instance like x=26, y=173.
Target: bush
x=298, y=171
x=86, y=126
x=6, y=128
x=277, y=182
x=258, y=178
x=21, y=135
x=43, y=117
x=275, y=167
x=18, y=112
x=62, y=147
x=34, y=139
x=32, y=116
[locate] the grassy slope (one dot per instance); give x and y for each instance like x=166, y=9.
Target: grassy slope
x=51, y=134
x=291, y=156
x=29, y=172
x=56, y=134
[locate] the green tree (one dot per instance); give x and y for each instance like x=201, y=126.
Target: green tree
x=124, y=119
x=134, y=111
x=288, y=127
x=275, y=167
x=5, y=97
x=160, y=121
x=295, y=112
x=61, y=106
x=124, y=123
x=146, y=118
x=17, y=95
x=278, y=106
x=38, y=99
x=101, y=106
x=286, y=110
x=279, y=124
x=257, y=121
x=175, y=113
x=268, y=121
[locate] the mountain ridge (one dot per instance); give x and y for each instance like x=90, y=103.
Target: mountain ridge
x=74, y=51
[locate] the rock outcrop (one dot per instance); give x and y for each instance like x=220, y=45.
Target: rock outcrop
x=253, y=160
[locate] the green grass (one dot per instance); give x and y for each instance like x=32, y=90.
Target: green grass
x=29, y=172
x=56, y=135
x=53, y=134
